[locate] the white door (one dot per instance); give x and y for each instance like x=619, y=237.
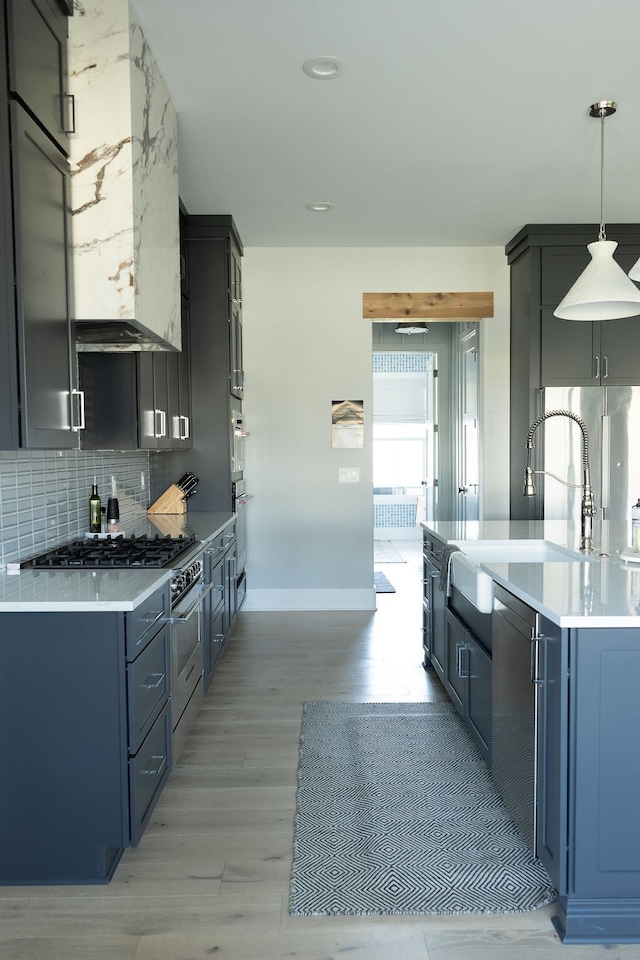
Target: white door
x=469, y=443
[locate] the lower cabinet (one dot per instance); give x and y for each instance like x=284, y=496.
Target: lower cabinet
x=85, y=738
x=221, y=569
x=468, y=681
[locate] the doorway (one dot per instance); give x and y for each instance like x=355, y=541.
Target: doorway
x=405, y=442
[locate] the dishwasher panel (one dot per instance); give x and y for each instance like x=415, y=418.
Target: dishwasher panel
x=513, y=729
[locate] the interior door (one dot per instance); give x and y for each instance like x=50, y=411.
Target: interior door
x=469, y=439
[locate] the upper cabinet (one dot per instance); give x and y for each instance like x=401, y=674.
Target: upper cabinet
x=545, y=261
x=124, y=161
x=38, y=65
x=583, y=354
x=39, y=404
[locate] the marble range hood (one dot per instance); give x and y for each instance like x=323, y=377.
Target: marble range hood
x=124, y=186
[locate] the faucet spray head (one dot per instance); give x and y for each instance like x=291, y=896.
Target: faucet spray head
x=529, y=486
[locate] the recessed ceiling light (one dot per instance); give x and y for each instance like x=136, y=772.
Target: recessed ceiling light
x=320, y=206
x=324, y=68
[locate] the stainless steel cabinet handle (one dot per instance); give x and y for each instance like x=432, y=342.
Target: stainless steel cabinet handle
x=153, y=681
x=161, y=763
x=81, y=425
x=154, y=618
x=605, y=367
x=596, y=368
x=185, y=432
x=194, y=606
x=70, y=113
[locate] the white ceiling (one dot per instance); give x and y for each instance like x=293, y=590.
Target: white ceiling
x=455, y=123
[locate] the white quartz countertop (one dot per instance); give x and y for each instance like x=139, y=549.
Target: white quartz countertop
x=603, y=591
x=74, y=590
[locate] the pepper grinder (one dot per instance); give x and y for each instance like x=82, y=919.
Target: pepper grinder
x=113, y=509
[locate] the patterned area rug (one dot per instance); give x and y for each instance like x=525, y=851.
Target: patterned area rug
x=381, y=583
x=385, y=552
x=397, y=814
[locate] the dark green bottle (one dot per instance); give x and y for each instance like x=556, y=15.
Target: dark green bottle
x=95, y=517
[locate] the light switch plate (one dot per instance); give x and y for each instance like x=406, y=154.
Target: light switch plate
x=349, y=474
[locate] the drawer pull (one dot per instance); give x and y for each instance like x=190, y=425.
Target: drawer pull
x=158, y=769
x=154, y=617
x=153, y=681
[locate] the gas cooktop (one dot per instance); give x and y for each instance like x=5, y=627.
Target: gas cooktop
x=112, y=553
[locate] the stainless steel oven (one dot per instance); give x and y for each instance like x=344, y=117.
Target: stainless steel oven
x=189, y=611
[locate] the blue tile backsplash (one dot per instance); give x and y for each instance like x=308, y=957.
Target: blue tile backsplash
x=44, y=495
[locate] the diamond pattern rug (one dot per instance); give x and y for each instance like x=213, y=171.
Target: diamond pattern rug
x=381, y=583
x=397, y=814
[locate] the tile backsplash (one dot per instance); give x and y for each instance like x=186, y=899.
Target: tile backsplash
x=44, y=495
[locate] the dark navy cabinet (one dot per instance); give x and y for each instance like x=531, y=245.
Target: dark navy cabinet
x=592, y=695
x=85, y=738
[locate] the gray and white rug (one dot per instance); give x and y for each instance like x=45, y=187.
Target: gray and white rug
x=397, y=814
x=381, y=583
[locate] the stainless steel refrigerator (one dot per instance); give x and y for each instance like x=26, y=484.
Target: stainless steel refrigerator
x=612, y=418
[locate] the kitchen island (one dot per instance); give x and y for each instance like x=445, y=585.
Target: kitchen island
x=585, y=675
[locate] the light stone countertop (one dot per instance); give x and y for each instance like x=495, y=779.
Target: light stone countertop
x=105, y=589
x=603, y=591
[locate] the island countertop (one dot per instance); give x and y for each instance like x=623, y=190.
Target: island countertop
x=601, y=591
x=106, y=589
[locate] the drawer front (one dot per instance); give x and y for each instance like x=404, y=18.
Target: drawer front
x=214, y=646
x=184, y=683
x=148, y=771
x=148, y=687
x=144, y=622
x=216, y=577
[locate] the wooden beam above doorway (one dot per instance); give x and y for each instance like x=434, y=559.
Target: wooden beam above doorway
x=444, y=307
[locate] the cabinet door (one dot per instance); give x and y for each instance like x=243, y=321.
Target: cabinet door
x=37, y=64
x=438, y=651
x=153, y=401
x=570, y=352
x=620, y=352
x=479, y=669
x=455, y=668
x=179, y=384
x=44, y=327
x=551, y=754
x=236, y=361
x=427, y=606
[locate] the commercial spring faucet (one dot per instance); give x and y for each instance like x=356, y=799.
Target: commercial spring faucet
x=589, y=509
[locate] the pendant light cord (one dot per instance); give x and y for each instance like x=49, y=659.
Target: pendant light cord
x=602, y=235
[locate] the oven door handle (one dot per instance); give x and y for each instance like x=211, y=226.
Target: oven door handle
x=194, y=606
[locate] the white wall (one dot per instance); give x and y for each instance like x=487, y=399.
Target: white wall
x=310, y=538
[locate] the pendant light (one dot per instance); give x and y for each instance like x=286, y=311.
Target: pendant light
x=603, y=291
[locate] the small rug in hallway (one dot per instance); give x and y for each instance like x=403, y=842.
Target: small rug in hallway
x=381, y=583
x=397, y=814
x=385, y=552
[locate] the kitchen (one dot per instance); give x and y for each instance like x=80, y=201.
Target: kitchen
x=289, y=418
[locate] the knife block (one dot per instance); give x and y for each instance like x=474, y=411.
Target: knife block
x=171, y=501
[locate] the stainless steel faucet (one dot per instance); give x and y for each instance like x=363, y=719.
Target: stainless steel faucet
x=589, y=508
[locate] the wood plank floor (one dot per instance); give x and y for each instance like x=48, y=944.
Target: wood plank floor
x=211, y=875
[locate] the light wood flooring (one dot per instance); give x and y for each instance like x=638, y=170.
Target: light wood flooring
x=211, y=875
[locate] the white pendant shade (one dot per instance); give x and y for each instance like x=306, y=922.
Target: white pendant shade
x=603, y=291
x=634, y=273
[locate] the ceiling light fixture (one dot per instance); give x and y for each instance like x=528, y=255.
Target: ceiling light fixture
x=320, y=206
x=603, y=291
x=412, y=327
x=324, y=68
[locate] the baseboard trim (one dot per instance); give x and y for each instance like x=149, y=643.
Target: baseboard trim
x=310, y=600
